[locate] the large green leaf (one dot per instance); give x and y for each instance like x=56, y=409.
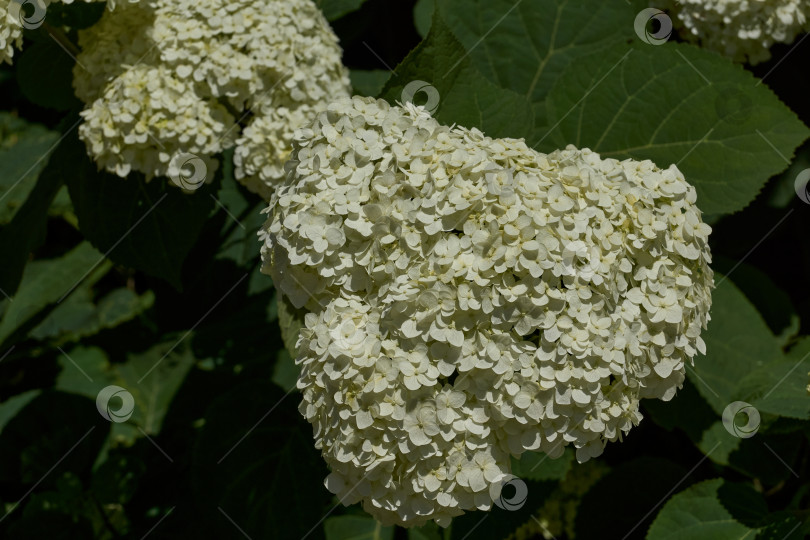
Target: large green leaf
x=26, y=232
x=737, y=341
x=464, y=95
x=697, y=514
x=423, y=15
x=81, y=316
x=672, y=103
x=525, y=46
x=152, y=378
x=676, y=104
x=47, y=282
x=24, y=152
x=368, y=82
x=781, y=387
x=150, y=226
x=744, y=361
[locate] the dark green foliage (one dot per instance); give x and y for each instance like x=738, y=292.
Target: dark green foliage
x=131, y=283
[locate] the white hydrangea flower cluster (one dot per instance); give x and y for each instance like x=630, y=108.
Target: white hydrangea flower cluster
x=471, y=299
x=169, y=76
x=11, y=32
x=744, y=30
x=11, y=27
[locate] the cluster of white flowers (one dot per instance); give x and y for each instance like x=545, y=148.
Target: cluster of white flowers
x=471, y=299
x=744, y=30
x=167, y=76
x=11, y=32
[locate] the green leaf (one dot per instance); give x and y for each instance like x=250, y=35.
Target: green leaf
x=45, y=74
x=465, y=96
x=672, y=104
x=540, y=38
x=774, y=304
x=10, y=407
x=368, y=82
x=26, y=232
x=85, y=371
x=335, y=9
x=356, y=528
x=152, y=378
x=285, y=372
x=737, y=341
x=744, y=361
x=24, y=150
x=80, y=316
x=149, y=226
x=540, y=467
x=784, y=383
x=422, y=16
x=718, y=444
x=675, y=104
x=696, y=513
x=47, y=282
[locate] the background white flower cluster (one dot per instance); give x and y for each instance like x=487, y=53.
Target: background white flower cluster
x=471, y=299
x=744, y=30
x=164, y=77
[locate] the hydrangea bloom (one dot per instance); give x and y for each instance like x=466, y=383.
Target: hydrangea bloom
x=174, y=76
x=744, y=30
x=469, y=298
